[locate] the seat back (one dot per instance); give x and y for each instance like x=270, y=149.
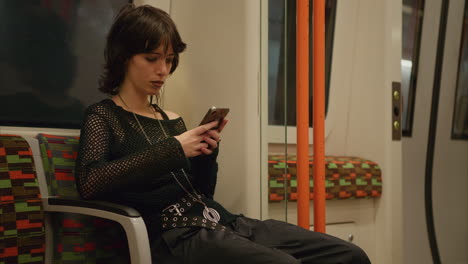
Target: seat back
x=22, y=237
x=77, y=238
x=58, y=155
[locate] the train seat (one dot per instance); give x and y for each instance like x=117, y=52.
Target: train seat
x=345, y=178
x=83, y=231
x=22, y=235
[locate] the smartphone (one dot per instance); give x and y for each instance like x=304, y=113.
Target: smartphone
x=214, y=114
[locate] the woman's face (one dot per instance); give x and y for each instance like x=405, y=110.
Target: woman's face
x=147, y=72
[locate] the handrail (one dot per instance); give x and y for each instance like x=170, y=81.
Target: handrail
x=302, y=113
x=319, y=114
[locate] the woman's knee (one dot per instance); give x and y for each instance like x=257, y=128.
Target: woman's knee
x=359, y=256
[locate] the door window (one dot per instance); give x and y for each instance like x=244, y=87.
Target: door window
x=460, y=113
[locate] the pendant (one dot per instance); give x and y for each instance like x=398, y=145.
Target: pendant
x=211, y=214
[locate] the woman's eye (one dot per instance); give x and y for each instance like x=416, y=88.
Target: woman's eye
x=169, y=60
x=152, y=58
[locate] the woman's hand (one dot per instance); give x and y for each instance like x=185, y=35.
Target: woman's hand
x=194, y=141
x=212, y=137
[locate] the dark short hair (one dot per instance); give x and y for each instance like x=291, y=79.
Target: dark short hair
x=136, y=30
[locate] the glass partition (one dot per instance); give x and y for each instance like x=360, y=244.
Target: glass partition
x=281, y=94
x=282, y=60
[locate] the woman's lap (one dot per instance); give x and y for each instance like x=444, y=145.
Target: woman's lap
x=255, y=241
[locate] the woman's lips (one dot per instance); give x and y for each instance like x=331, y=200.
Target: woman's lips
x=157, y=84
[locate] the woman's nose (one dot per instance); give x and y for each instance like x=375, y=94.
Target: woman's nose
x=162, y=68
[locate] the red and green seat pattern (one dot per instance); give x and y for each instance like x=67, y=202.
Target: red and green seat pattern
x=345, y=178
x=77, y=238
x=22, y=238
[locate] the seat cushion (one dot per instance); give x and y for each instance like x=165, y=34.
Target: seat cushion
x=345, y=178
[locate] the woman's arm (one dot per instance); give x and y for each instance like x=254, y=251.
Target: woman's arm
x=97, y=174
x=204, y=168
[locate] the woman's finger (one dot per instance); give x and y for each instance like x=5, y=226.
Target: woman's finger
x=203, y=128
x=206, y=151
x=197, y=153
x=212, y=142
x=223, y=124
x=202, y=145
x=214, y=134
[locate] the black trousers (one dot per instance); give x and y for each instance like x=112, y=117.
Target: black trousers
x=254, y=241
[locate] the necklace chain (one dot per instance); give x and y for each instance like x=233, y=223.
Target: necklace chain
x=209, y=213
x=138, y=121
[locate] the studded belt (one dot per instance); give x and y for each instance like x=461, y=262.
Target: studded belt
x=173, y=216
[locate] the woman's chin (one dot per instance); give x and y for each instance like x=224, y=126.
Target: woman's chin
x=154, y=91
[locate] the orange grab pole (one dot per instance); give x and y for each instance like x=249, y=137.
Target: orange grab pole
x=319, y=114
x=302, y=113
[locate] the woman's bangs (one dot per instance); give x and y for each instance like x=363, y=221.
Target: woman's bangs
x=157, y=39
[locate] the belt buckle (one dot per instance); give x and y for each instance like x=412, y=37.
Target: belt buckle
x=173, y=208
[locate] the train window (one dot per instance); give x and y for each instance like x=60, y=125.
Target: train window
x=282, y=59
x=413, y=11
x=51, y=55
x=460, y=113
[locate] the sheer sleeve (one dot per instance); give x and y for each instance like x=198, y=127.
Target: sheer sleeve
x=99, y=174
x=204, y=168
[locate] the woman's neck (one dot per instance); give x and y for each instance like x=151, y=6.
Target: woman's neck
x=132, y=101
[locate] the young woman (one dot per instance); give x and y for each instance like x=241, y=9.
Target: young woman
x=137, y=154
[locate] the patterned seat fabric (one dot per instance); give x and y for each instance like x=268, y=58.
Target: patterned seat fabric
x=77, y=238
x=22, y=238
x=345, y=178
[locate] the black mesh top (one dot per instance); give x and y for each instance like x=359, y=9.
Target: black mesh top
x=115, y=163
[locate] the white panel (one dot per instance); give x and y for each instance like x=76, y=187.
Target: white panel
x=375, y=66
x=346, y=231
x=162, y=4
x=221, y=67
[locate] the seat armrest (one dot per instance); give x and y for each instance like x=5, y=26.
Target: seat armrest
x=129, y=218
x=98, y=205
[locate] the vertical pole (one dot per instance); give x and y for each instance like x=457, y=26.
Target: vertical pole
x=319, y=114
x=302, y=113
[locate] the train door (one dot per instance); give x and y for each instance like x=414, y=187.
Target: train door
x=442, y=65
